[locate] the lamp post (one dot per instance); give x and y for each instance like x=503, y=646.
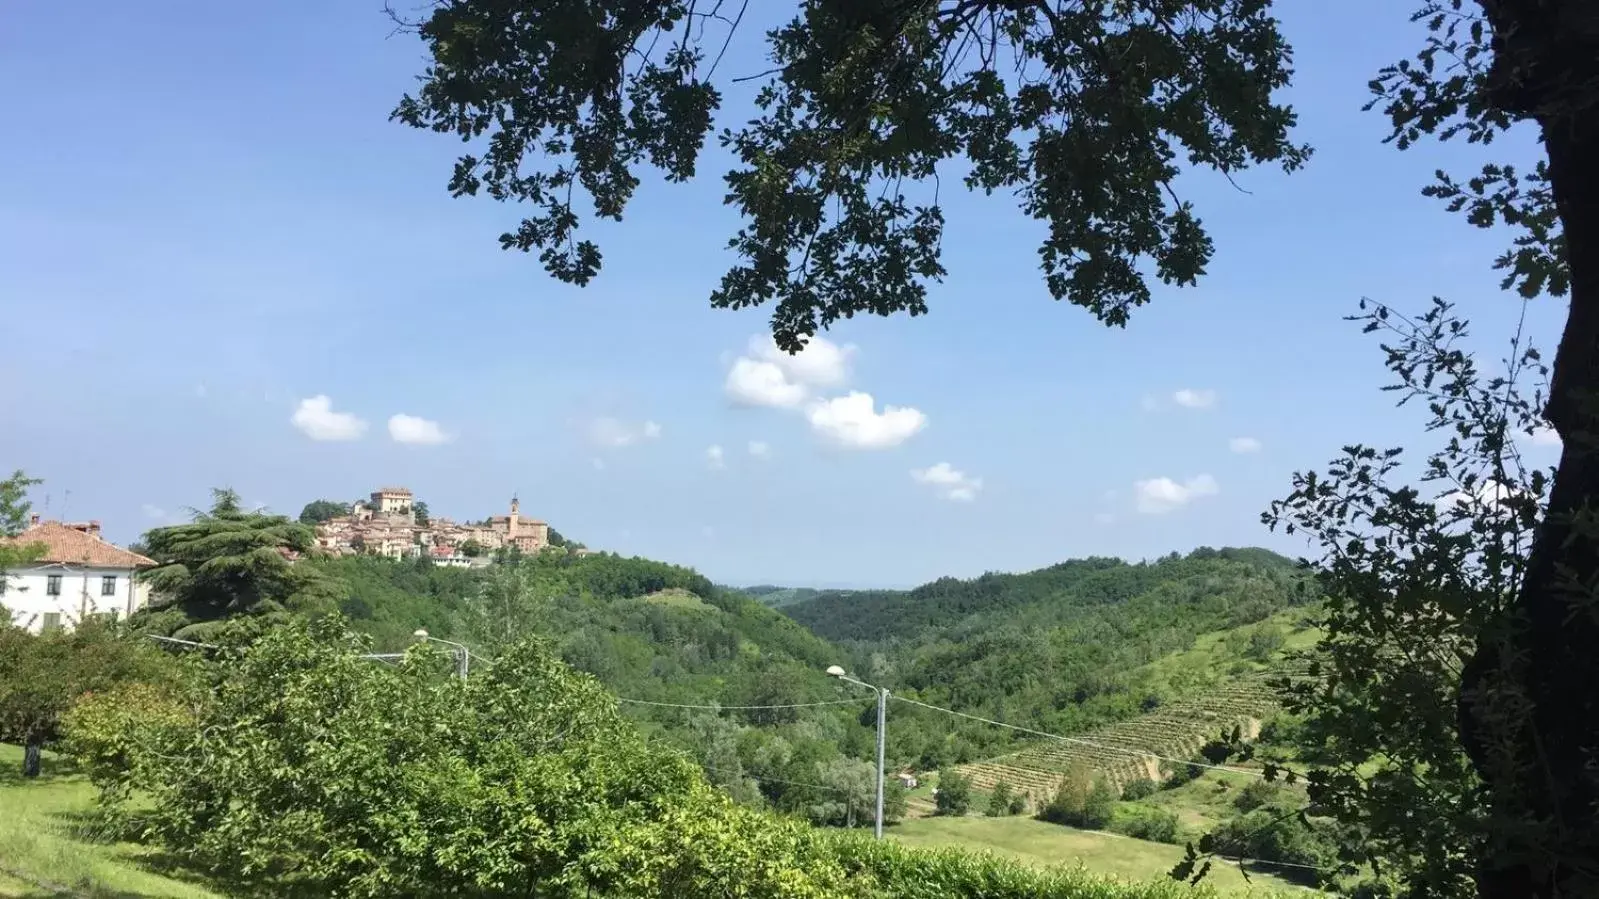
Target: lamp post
x=463, y=657
x=882, y=723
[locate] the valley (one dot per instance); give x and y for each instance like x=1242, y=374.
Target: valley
x=1081, y=712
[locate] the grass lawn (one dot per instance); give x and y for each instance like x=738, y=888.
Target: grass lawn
x=1040, y=843
x=41, y=843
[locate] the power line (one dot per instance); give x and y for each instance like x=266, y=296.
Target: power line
x=1262, y=861
x=729, y=708
x=776, y=780
x=1077, y=740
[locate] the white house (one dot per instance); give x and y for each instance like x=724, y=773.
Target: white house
x=77, y=575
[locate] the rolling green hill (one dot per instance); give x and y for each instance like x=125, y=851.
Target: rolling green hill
x=1065, y=649
x=776, y=597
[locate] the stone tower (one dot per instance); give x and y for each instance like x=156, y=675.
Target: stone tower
x=515, y=513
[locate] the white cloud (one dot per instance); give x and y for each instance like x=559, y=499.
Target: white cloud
x=1194, y=399
x=949, y=481
x=852, y=421
x=715, y=458
x=1157, y=496
x=155, y=512
x=1149, y=403
x=599, y=464
x=200, y=391
x=1244, y=445
x=1544, y=436
x=419, y=431
x=613, y=433
x=820, y=363
x=760, y=449
x=754, y=383
x=317, y=420
x=1489, y=494
x=1104, y=518
x=767, y=376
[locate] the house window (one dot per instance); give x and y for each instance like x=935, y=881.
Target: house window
x=52, y=586
x=52, y=621
x=108, y=585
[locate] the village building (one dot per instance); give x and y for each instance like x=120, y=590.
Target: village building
x=77, y=575
x=526, y=534
x=386, y=525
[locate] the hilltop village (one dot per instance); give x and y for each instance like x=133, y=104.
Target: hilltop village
x=391, y=523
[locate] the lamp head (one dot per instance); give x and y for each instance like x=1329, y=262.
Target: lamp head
x=835, y=671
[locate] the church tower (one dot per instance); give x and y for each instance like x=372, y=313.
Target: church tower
x=515, y=513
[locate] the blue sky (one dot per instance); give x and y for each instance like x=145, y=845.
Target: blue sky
x=206, y=219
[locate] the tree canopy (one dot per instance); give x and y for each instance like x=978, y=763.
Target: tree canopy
x=318, y=511
x=1081, y=111
x=226, y=563
x=14, y=512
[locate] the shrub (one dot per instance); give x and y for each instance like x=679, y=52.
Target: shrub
x=1264, y=640
x=112, y=733
x=1217, y=751
x=1154, y=824
x=1139, y=788
x=1264, y=834
x=1182, y=774
x=1082, y=801
x=954, y=793
x=1000, y=800
x=1254, y=795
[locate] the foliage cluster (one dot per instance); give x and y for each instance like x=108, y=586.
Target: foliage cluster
x=1063, y=649
x=230, y=570
x=305, y=770
x=43, y=675
x=1082, y=800
x=954, y=795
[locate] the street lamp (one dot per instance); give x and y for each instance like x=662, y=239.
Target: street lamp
x=882, y=721
x=462, y=655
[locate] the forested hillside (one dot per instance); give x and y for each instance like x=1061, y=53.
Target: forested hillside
x=774, y=596
x=1061, y=649
x=663, y=638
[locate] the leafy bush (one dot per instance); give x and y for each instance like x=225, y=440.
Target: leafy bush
x=1267, y=835
x=1000, y=800
x=954, y=793
x=1155, y=824
x=1264, y=641
x=42, y=675
x=1083, y=800
x=1217, y=751
x=313, y=772
x=1139, y=788
x=1181, y=774
x=110, y=731
x=1255, y=794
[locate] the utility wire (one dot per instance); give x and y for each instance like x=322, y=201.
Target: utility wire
x=1081, y=742
x=728, y=708
x=776, y=780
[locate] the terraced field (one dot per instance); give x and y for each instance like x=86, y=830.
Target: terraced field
x=1128, y=750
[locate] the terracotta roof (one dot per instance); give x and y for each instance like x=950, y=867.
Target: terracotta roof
x=72, y=546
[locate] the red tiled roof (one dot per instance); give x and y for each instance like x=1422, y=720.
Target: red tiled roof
x=72, y=546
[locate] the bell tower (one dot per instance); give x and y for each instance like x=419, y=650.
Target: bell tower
x=515, y=513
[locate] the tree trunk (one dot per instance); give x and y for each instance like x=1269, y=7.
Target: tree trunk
x=1545, y=836
x=32, y=750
